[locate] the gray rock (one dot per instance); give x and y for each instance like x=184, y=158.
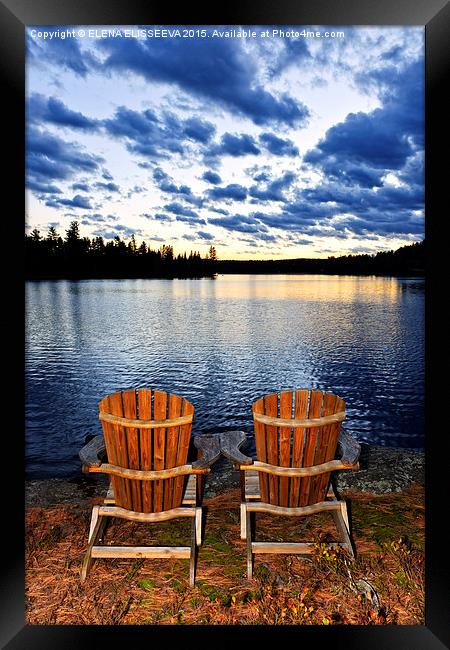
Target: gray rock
x=382, y=470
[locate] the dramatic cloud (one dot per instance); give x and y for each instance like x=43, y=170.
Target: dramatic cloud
x=273, y=191
x=84, y=187
x=232, y=191
x=49, y=158
x=205, y=235
x=54, y=111
x=382, y=139
x=65, y=54
x=277, y=146
x=235, y=145
x=319, y=143
x=110, y=187
x=212, y=177
x=197, y=129
x=216, y=69
x=239, y=223
x=78, y=201
x=180, y=210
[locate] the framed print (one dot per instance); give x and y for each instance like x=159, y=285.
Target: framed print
x=223, y=207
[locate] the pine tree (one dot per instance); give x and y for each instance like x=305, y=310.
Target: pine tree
x=132, y=245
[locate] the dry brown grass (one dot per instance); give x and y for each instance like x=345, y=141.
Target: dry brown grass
x=322, y=589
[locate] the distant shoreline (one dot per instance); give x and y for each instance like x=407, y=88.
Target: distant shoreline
x=83, y=259
x=37, y=278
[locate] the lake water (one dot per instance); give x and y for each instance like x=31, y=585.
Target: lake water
x=222, y=343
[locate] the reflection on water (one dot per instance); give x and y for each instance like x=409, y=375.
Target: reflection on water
x=222, y=343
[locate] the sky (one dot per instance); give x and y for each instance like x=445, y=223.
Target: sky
x=263, y=141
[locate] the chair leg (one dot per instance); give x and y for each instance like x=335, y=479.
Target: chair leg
x=345, y=514
x=243, y=522
x=193, y=555
x=249, y=535
x=198, y=523
x=342, y=524
x=96, y=530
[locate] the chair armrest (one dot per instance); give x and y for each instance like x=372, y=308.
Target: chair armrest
x=209, y=445
x=230, y=441
x=93, y=453
x=349, y=448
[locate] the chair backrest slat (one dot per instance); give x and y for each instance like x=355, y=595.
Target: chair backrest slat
x=280, y=442
x=159, y=413
x=315, y=407
x=300, y=413
x=173, y=434
x=115, y=407
x=261, y=448
x=324, y=446
x=271, y=409
x=285, y=446
x=147, y=448
x=183, y=447
x=132, y=438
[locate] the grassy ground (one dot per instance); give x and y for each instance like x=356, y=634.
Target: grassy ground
x=384, y=585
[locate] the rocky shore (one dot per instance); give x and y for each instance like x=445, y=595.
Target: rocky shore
x=382, y=470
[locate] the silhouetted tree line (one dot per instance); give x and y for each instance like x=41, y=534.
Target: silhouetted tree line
x=407, y=260
x=51, y=256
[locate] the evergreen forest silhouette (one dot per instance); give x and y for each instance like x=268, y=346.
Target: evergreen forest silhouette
x=76, y=257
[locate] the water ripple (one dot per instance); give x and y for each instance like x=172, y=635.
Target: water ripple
x=221, y=344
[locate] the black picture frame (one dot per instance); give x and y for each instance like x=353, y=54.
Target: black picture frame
x=15, y=16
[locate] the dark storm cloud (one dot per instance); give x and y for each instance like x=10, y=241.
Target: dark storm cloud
x=216, y=69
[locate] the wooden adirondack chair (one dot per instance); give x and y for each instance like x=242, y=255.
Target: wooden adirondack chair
x=297, y=434
x=146, y=438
